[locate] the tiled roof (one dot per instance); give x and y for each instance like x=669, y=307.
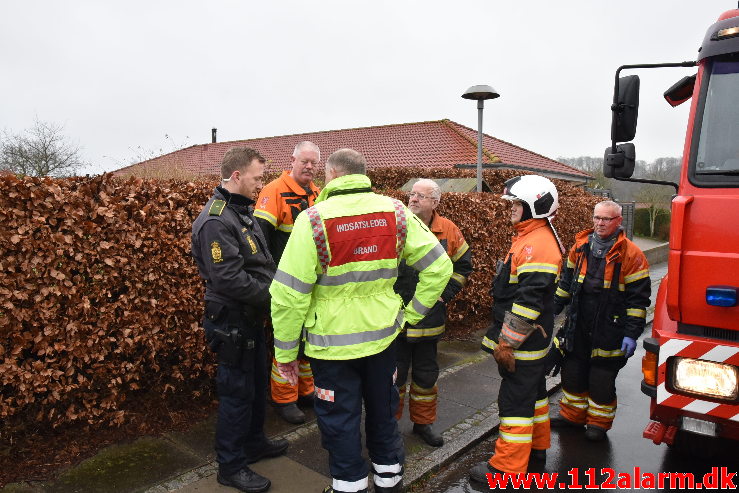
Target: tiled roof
x=434, y=144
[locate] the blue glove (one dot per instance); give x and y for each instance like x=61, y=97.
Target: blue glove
x=628, y=346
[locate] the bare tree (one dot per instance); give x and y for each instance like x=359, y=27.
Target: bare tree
x=658, y=197
x=41, y=150
x=591, y=165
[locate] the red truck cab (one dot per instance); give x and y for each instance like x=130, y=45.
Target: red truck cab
x=691, y=368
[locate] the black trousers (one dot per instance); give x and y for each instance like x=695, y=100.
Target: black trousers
x=341, y=388
x=420, y=358
x=520, y=390
x=597, y=379
x=242, y=398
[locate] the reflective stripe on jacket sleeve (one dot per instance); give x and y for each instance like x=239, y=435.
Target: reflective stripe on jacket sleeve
x=292, y=288
x=424, y=253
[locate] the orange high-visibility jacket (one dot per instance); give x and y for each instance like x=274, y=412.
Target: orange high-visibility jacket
x=433, y=324
x=279, y=203
x=524, y=285
x=622, y=305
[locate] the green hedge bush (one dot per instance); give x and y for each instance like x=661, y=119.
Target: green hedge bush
x=661, y=224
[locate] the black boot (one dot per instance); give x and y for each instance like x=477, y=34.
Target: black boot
x=245, y=480
x=428, y=434
x=480, y=471
x=306, y=400
x=560, y=421
x=290, y=413
x=270, y=448
x=595, y=433
x=538, y=455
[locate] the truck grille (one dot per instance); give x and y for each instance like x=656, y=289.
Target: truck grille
x=708, y=332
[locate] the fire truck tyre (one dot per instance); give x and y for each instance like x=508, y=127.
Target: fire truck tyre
x=693, y=445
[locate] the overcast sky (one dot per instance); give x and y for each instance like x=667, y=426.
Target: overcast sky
x=120, y=76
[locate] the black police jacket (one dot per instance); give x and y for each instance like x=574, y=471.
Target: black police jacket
x=231, y=253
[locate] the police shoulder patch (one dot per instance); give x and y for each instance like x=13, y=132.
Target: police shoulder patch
x=216, y=208
x=215, y=252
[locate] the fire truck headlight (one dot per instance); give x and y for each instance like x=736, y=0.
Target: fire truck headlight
x=706, y=378
x=727, y=33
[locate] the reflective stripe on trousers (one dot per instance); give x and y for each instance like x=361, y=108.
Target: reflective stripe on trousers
x=284, y=393
x=522, y=400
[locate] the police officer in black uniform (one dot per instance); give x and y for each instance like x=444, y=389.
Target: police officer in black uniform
x=232, y=257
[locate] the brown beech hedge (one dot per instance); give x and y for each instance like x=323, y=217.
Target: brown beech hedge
x=100, y=300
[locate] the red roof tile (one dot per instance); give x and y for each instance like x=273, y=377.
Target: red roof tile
x=434, y=144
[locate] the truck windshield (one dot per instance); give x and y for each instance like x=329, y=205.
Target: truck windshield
x=717, y=157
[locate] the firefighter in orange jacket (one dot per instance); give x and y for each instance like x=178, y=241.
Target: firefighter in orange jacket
x=606, y=287
x=417, y=343
x=278, y=205
x=523, y=320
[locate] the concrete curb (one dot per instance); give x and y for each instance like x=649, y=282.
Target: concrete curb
x=489, y=422
x=458, y=439
x=211, y=468
x=473, y=431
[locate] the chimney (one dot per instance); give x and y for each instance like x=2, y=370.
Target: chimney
x=213, y=132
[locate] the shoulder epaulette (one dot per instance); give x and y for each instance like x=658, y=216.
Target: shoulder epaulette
x=216, y=208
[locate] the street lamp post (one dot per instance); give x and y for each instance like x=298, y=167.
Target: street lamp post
x=480, y=93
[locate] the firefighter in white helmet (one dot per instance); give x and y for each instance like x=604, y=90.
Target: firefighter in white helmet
x=521, y=330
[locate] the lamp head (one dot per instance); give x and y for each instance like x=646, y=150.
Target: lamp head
x=480, y=93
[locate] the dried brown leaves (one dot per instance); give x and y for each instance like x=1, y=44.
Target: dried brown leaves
x=99, y=296
x=100, y=299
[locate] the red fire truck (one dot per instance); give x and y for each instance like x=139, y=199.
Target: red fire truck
x=691, y=367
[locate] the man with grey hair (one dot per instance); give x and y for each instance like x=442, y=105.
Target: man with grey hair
x=282, y=199
x=278, y=205
x=334, y=290
x=605, y=287
x=417, y=343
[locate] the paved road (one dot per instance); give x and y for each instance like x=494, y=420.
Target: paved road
x=624, y=450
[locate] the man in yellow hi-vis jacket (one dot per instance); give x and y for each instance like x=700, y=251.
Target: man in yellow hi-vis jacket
x=336, y=279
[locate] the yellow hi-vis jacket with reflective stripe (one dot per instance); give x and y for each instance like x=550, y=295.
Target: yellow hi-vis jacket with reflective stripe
x=334, y=284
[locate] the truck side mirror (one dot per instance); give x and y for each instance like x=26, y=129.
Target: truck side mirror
x=619, y=164
x=625, y=112
x=680, y=91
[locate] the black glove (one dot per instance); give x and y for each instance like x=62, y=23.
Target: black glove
x=553, y=359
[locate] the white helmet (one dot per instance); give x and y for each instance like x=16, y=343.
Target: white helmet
x=537, y=192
